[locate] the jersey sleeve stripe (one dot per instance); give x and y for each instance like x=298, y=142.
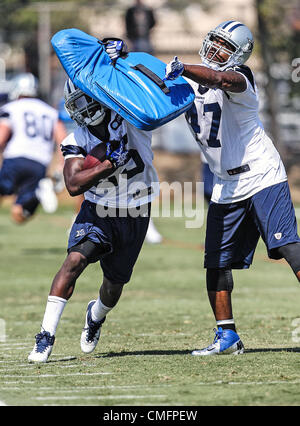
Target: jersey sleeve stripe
x=73, y=150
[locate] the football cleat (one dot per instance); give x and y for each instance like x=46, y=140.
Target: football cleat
x=43, y=347
x=225, y=342
x=91, y=332
x=46, y=195
x=153, y=236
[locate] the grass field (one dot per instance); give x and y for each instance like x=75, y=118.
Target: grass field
x=143, y=357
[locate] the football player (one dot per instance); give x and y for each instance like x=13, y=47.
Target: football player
x=113, y=220
x=251, y=196
x=29, y=130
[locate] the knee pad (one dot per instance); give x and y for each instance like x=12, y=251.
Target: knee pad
x=219, y=280
x=291, y=253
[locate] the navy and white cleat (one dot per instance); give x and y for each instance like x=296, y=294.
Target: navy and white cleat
x=91, y=332
x=225, y=342
x=43, y=347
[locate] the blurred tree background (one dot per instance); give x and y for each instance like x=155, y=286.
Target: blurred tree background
x=28, y=25
x=278, y=22
x=20, y=23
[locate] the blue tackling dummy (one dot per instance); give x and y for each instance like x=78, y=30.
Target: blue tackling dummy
x=132, y=86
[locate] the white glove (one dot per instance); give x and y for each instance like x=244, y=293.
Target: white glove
x=115, y=49
x=173, y=69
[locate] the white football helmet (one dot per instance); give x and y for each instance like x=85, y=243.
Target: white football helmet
x=84, y=110
x=240, y=41
x=24, y=84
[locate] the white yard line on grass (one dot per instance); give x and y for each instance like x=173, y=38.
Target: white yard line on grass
x=30, y=366
x=14, y=343
x=126, y=387
x=19, y=348
x=43, y=398
x=58, y=375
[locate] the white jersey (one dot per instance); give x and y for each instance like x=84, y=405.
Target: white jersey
x=32, y=122
x=134, y=184
x=231, y=136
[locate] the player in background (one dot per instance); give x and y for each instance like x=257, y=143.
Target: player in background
x=29, y=132
x=112, y=223
x=251, y=196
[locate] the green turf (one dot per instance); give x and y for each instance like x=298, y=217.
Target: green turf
x=143, y=357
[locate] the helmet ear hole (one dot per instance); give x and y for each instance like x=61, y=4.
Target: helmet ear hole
x=83, y=109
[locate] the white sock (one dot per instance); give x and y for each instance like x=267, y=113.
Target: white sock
x=99, y=310
x=230, y=321
x=54, y=309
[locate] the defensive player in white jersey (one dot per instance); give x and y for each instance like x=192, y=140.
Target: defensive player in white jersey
x=251, y=196
x=29, y=132
x=113, y=220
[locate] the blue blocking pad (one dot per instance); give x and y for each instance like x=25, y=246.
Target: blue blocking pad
x=133, y=86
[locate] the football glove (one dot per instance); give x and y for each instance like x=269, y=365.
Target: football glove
x=174, y=69
x=119, y=156
x=115, y=48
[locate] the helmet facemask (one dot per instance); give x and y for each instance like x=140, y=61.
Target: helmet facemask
x=212, y=49
x=84, y=110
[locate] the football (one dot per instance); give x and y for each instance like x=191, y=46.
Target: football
x=95, y=156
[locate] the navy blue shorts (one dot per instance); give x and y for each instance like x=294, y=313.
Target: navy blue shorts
x=233, y=230
x=20, y=176
x=120, y=239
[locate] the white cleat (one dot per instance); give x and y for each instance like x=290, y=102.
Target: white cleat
x=153, y=236
x=225, y=342
x=43, y=347
x=46, y=195
x=91, y=332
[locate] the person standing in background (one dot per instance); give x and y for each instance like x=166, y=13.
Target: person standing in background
x=139, y=20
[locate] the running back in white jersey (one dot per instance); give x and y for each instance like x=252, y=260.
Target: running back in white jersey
x=32, y=123
x=231, y=136
x=134, y=184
